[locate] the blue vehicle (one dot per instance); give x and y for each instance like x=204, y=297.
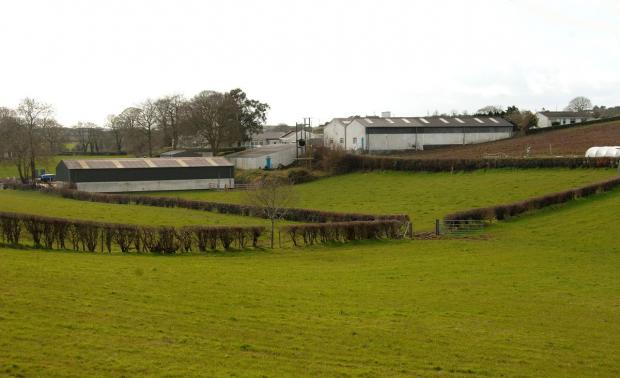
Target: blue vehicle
x=47, y=177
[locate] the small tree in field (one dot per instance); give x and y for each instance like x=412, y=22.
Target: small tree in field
x=273, y=196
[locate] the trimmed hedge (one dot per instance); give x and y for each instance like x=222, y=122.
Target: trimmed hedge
x=504, y=211
x=338, y=162
x=90, y=236
x=292, y=214
x=309, y=234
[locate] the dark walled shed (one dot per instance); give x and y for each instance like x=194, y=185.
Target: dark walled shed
x=146, y=173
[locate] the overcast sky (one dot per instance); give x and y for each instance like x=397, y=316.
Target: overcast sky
x=319, y=59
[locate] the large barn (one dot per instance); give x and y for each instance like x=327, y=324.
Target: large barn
x=412, y=133
x=146, y=174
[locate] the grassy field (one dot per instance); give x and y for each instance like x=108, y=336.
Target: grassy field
x=8, y=170
x=538, y=297
x=42, y=204
x=424, y=196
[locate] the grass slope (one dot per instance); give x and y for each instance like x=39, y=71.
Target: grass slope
x=42, y=204
x=571, y=141
x=539, y=298
x=424, y=196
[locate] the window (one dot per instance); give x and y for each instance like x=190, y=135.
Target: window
x=331, y=141
x=341, y=140
x=572, y=121
x=354, y=140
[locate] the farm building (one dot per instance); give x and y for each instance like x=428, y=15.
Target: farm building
x=180, y=153
x=144, y=174
x=265, y=157
x=412, y=133
x=548, y=119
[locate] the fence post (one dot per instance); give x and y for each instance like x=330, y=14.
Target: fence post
x=437, y=228
x=411, y=230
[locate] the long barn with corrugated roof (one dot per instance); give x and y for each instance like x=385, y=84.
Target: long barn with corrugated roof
x=146, y=174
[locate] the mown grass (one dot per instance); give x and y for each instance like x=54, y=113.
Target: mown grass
x=49, y=164
x=538, y=297
x=49, y=205
x=423, y=196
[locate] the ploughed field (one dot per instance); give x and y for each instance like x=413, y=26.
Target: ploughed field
x=538, y=296
x=423, y=196
x=571, y=141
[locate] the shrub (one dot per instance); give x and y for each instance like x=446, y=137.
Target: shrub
x=344, y=231
x=300, y=175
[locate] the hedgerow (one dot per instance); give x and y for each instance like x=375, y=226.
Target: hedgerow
x=309, y=234
x=90, y=236
x=504, y=211
x=338, y=162
x=292, y=214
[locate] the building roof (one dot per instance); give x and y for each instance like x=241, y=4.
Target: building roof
x=434, y=121
x=147, y=163
x=567, y=114
x=180, y=152
x=262, y=151
x=269, y=135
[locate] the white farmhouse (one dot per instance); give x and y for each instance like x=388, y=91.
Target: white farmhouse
x=412, y=133
x=548, y=119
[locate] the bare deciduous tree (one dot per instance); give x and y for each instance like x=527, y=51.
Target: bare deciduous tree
x=117, y=130
x=169, y=113
x=579, y=104
x=33, y=115
x=274, y=196
x=147, y=120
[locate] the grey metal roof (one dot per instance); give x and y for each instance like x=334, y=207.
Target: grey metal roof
x=262, y=151
x=269, y=135
x=567, y=114
x=433, y=121
x=181, y=162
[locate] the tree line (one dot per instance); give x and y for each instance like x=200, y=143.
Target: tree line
x=30, y=133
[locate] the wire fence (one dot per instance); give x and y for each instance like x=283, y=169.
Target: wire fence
x=459, y=227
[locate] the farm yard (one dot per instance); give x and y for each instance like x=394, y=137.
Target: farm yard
x=533, y=294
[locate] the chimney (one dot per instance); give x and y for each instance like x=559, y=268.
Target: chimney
x=386, y=114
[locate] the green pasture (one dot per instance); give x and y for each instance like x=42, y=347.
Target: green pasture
x=54, y=206
x=536, y=296
x=424, y=196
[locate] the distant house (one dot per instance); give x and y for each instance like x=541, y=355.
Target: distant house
x=267, y=138
x=377, y=134
x=548, y=118
x=293, y=136
x=180, y=153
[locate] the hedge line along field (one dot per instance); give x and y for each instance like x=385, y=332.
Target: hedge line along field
x=41, y=204
x=537, y=297
x=424, y=196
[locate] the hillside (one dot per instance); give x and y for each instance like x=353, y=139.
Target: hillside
x=572, y=141
x=536, y=298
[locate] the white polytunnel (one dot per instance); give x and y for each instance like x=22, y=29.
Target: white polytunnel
x=603, y=151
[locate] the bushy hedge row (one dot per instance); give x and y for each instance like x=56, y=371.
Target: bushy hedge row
x=62, y=233
x=293, y=214
x=505, y=211
x=309, y=234
x=338, y=162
